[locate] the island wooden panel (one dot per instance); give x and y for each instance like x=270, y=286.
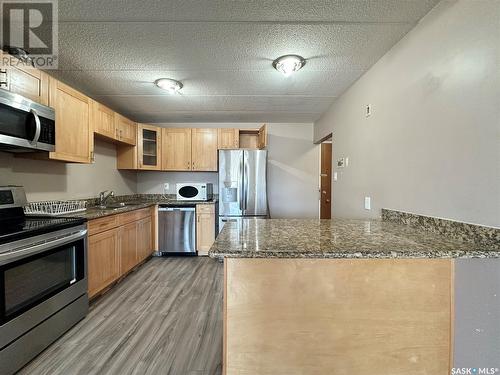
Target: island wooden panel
x=337, y=316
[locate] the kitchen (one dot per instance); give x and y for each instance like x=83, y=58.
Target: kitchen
x=185, y=180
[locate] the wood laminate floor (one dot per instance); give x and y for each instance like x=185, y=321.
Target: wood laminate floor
x=164, y=318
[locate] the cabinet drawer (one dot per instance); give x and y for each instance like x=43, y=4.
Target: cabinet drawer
x=102, y=224
x=205, y=208
x=131, y=216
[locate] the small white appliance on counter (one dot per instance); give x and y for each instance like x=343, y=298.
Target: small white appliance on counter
x=194, y=191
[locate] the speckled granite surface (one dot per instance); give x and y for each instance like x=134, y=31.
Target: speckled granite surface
x=339, y=238
x=135, y=202
x=487, y=236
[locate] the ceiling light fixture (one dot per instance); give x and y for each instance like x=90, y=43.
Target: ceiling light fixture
x=289, y=64
x=170, y=85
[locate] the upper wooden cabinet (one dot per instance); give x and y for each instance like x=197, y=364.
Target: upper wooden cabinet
x=126, y=130
x=262, y=143
x=74, y=133
x=204, y=150
x=148, y=147
x=104, y=120
x=228, y=138
x=176, y=149
x=253, y=138
x=28, y=82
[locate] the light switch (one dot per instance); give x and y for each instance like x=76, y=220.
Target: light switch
x=334, y=176
x=368, y=203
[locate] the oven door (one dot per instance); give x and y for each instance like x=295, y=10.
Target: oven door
x=40, y=277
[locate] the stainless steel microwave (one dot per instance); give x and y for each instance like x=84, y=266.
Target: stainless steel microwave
x=194, y=191
x=25, y=125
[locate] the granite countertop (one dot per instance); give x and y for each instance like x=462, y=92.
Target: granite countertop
x=134, y=203
x=339, y=238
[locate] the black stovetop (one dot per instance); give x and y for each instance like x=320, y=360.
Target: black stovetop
x=16, y=227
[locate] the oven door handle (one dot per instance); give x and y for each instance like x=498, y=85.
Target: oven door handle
x=44, y=245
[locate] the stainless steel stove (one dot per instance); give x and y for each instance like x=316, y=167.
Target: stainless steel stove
x=43, y=279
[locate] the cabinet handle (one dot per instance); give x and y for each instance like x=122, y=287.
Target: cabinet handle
x=4, y=78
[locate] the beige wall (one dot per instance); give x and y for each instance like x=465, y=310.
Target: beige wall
x=432, y=144
x=292, y=176
x=46, y=180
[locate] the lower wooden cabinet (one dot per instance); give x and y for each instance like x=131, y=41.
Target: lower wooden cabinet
x=127, y=235
x=117, y=244
x=144, y=238
x=103, y=261
x=205, y=227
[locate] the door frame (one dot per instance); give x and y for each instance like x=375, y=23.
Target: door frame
x=327, y=140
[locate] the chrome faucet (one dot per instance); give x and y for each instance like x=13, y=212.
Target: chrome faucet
x=103, y=197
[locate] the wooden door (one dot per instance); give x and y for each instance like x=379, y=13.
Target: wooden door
x=144, y=239
x=176, y=149
x=74, y=135
x=263, y=136
x=205, y=227
x=103, y=121
x=128, y=247
x=204, y=150
x=228, y=138
x=326, y=181
x=127, y=129
x=103, y=261
x=149, y=147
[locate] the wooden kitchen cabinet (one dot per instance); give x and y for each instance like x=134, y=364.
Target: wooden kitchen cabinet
x=103, y=261
x=204, y=150
x=103, y=120
x=126, y=130
x=74, y=133
x=228, y=138
x=262, y=135
x=29, y=82
x=149, y=147
x=144, y=238
x=253, y=138
x=117, y=243
x=176, y=149
x=127, y=235
x=205, y=227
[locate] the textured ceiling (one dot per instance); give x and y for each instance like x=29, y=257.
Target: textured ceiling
x=222, y=52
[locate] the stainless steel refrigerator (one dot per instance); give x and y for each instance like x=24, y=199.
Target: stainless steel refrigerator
x=242, y=185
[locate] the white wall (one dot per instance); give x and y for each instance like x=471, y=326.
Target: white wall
x=432, y=144
x=45, y=180
x=292, y=176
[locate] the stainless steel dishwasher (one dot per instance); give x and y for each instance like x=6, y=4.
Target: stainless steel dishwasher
x=177, y=230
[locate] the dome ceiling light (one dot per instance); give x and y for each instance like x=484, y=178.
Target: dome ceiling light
x=289, y=64
x=170, y=85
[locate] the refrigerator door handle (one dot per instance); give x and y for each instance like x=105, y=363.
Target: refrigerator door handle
x=241, y=183
x=245, y=184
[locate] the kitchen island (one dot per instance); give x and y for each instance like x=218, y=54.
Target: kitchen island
x=340, y=296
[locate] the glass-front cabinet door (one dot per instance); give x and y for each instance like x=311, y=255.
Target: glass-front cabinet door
x=149, y=144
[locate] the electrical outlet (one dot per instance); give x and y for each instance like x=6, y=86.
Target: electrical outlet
x=368, y=203
x=368, y=110
x=166, y=187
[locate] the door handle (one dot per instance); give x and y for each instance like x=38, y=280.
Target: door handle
x=38, y=126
